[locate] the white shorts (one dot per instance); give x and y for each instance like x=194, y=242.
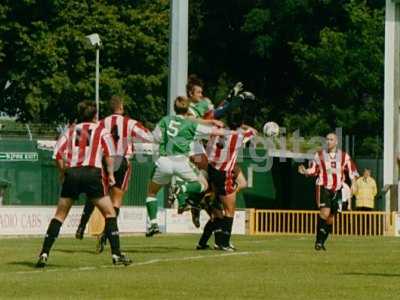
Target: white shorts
x=180, y=166
x=196, y=147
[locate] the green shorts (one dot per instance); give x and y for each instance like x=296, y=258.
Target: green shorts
x=331, y=199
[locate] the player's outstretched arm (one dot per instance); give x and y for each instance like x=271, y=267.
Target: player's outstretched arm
x=247, y=127
x=209, y=122
x=302, y=170
x=220, y=131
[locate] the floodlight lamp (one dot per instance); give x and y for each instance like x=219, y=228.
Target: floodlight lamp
x=94, y=39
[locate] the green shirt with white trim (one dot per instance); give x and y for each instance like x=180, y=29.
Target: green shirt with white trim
x=176, y=133
x=199, y=109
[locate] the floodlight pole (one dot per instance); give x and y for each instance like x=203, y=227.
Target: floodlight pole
x=97, y=80
x=95, y=41
x=178, y=51
x=391, y=100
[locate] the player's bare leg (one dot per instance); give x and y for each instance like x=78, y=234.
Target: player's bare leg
x=200, y=160
x=240, y=181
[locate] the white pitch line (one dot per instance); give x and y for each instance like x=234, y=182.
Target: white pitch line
x=143, y=263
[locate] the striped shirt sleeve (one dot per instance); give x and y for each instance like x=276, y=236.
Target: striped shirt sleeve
x=140, y=133
x=157, y=134
x=314, y=167
x=61, y=146
x=350, y=167
x=248, y=135
x=203, y=131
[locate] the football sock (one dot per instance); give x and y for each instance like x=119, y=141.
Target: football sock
x=189, y=190
x=111, y=230
x=226, y=231
x=116, y=211
x=87, y=212
x=151, y=205
x=192, y=187
x=52, y=233
x=328, y=229
x=321, y=231
x=218, y=234
x=207, y=232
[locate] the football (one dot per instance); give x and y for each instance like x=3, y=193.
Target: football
x=271, y=129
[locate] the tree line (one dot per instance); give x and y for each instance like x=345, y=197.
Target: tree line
x=314, y=65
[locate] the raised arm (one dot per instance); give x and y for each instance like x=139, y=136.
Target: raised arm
x=313, y=170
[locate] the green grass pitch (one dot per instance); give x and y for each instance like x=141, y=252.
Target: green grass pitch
x=168, y=267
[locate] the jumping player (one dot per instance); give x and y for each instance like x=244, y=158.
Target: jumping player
x=222, y=155
x=175, y=135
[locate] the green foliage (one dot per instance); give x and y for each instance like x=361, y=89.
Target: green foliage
x=45, y=54
x=314, y=65
x=345, y=69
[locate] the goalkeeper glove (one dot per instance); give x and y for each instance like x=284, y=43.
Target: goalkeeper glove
x=247, y=96
x=236, y=90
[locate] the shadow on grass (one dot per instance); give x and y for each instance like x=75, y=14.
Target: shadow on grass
x=371, y=274
x=30, y=264
x=155, y=249
x=75, y=251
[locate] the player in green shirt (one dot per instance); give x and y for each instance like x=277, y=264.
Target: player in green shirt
x=175, y=134
x=202, y=108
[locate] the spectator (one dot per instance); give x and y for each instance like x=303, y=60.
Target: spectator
x=365, y=191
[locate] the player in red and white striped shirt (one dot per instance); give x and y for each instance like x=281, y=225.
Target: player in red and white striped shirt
x=73, y=146
x=222, y=154
x=330, y=166
x=222, y=151
x=79, y=153
x=124, y=132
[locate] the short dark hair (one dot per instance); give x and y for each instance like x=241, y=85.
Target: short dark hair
x=87, y=111
x=116, y=102
x=235, y=119
x=193, y=81
x=181, y=105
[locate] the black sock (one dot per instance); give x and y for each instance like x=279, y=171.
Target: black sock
x=116, y=216
x=116, y=211
x=52, y=233
x=87, y=212
x=111, y=230
x=218, y=235
x=328, y=229
x=226, y=231
x=321, y=231
x=207, y=232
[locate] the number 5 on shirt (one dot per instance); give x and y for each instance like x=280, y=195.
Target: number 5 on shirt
x=173, y=128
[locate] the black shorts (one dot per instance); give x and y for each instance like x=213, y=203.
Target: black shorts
x=86, y=180
x=329, y=198
x=223, y=183
x=122, y=175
